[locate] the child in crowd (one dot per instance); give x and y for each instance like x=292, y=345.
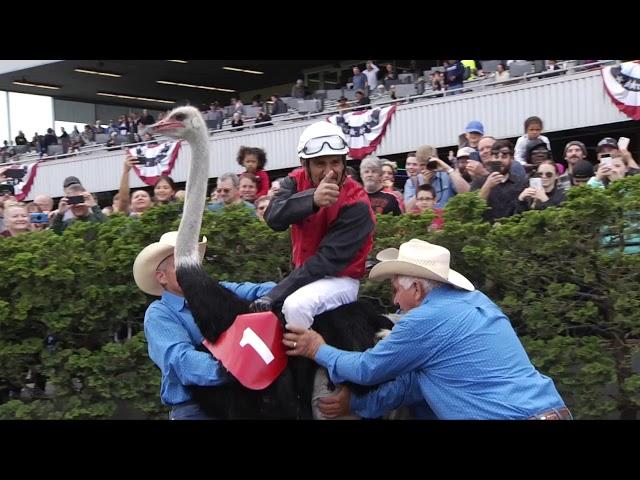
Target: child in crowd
x=253, y=160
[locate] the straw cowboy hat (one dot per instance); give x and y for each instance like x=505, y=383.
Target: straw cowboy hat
x=147, y=261
x=417, y=258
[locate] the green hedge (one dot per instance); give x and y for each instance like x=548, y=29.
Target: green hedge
x=574, y=305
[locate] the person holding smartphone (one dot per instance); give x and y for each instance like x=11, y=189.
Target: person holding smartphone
x=610, y=169
x=501, y=187
x=543, y=190
x=82, y=205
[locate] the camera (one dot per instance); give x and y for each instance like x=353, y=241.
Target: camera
x=432, y=165
x=75, y=200
x=37, y=217
x=495, y=166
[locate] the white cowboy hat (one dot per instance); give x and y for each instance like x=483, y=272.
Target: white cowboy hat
x=147, y=261
x=417, y=258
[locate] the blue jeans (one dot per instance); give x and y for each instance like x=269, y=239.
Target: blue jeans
x=188, y=411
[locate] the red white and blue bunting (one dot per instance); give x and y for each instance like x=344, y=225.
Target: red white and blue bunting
x=364, y=129
x=22, y=185
x=158, y=160
x=622, y=83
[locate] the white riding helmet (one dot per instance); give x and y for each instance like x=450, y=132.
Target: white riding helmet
x=322, y=138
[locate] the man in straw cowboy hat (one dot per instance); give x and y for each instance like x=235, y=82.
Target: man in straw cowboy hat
x=171, y=332
x=453, y=349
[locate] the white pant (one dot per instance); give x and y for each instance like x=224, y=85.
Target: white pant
x=320, y=296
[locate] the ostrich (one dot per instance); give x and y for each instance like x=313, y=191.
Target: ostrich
x=214, y=308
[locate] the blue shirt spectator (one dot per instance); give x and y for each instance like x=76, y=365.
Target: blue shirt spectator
x=441, y=182
x=458, y=352
x=172, y=336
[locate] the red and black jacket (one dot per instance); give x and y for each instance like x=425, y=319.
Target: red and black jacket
x=331, y=241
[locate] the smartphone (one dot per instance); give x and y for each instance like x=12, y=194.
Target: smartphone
x=39, y=217
x=606, y=159
x=495, y=166
x=535, y=182
x=16, y=173
x=623, y=143
x=75, y=200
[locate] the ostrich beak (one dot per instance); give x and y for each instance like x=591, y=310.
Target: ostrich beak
x=164, y=125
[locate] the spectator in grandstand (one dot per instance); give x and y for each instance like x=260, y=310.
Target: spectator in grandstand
x=49, y=139
x=214, y=116
x=248, y=187
x=381, y=202
x=390, y=72
x=454, y=76
x=65, y=140
x=278, y=106
x=533, y=128
x=228, y=193
x=389, y=170
x=437, y=82
x=112, y=141
x=610, y=172
x=97, y=127
x=138, y=202
x=359, y=79
x=254, y=159
x=146, y=119
x=6, y=196
x=426, y=201
x=371, y=72
x=548, y=195
x=610, y=146
x=581, y=173
x=75, y=140
x=262, y=118
x=236, y=121
x=261, y=204
x=470, y=69
x=502, y=73
x=16, y=219
x=552, y=65
x=299, y=89
x=36, y=226
x=473, y=132
x=275, y=186
x=45, y=202
x=446, y=180
x=500, y=188
x=461, y=161
x=21, y=139
x=36, y=142
x=88, y=136
x=361, y=99
x=85, y=211
x=237, y=106
x=164, y=191
x=536, y=152
x=343, y=105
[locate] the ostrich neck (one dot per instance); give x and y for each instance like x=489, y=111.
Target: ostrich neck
x=186, y=251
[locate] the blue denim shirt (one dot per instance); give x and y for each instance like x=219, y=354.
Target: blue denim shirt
x=458, y=353
x=440, y=182
x=172, y=337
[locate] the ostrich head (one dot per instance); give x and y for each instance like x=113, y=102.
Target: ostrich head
x=181, y=123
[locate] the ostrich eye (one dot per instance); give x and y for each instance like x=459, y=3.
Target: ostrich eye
x=180, y=116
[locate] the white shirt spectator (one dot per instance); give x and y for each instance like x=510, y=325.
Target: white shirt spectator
x=372, y=76
x=520, y=150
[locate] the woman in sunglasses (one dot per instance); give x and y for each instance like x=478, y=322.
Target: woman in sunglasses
x=331, y=229
x=546, y=194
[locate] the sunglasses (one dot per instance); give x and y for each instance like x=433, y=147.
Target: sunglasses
x=315, y=145
x=502, y=154
x=546, y=174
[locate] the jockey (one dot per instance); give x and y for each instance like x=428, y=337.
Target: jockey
x=332, y=227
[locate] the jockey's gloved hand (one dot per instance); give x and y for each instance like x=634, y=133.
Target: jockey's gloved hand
x=262, y=304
